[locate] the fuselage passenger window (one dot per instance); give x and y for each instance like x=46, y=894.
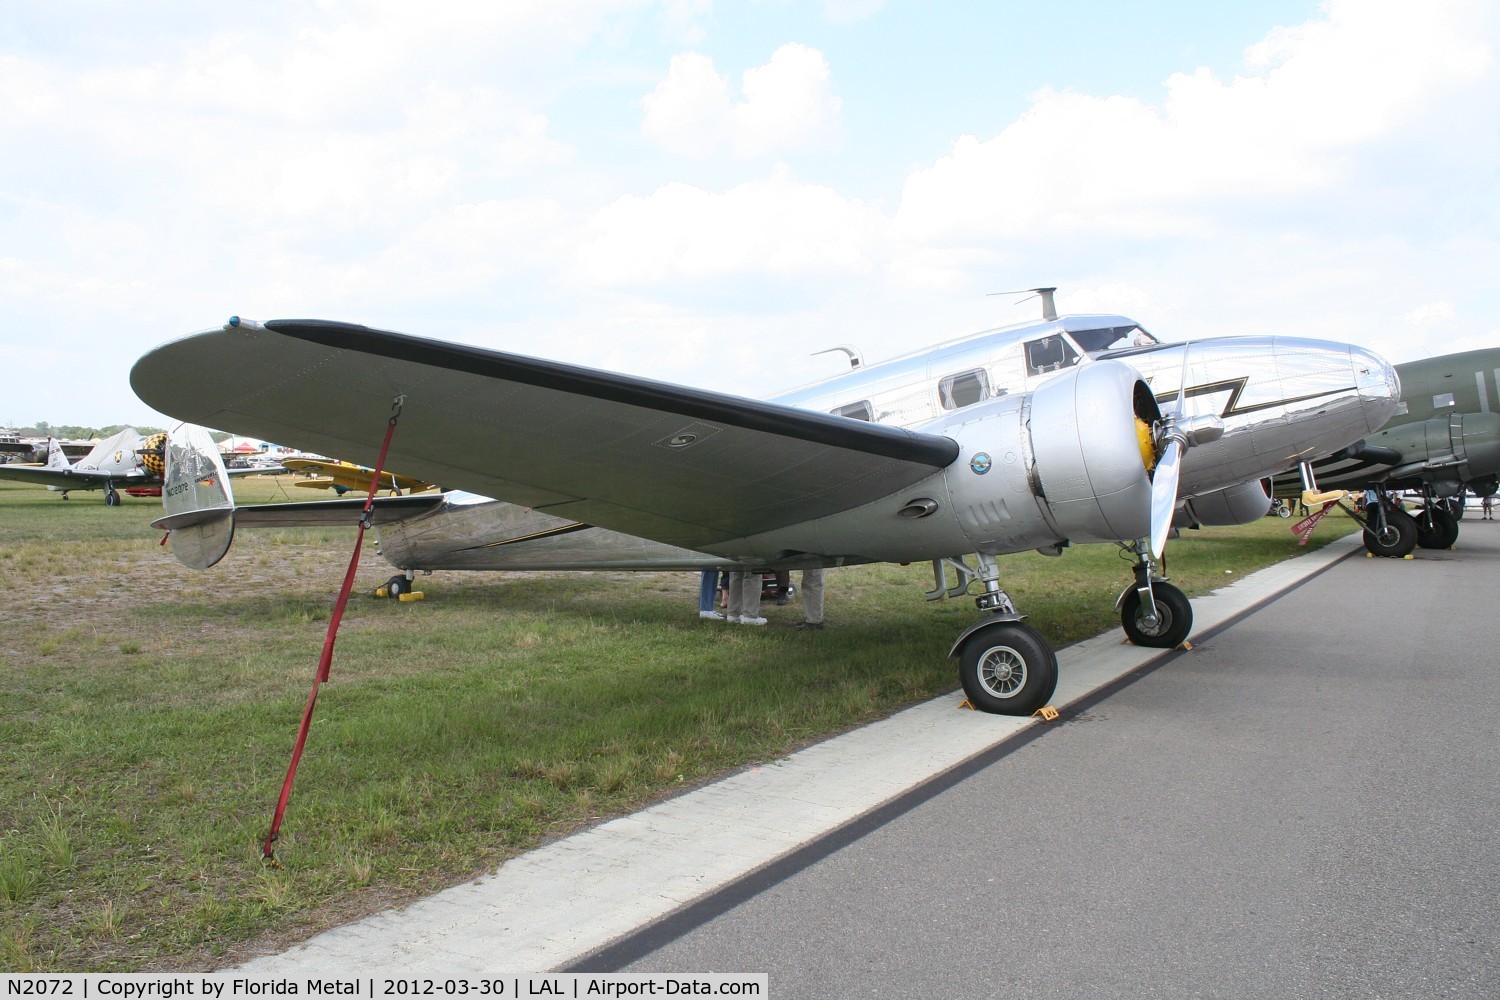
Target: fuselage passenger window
x=1441, y=400
x=963, y=389
x=861, y=410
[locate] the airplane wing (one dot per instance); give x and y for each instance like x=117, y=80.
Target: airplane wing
x=68, y=479
x=349, y=477
x=679, y=465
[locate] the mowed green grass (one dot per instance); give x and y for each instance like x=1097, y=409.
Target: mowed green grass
x=148, y=713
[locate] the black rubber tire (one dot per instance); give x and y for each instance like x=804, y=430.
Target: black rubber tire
x=1398, y=539
x=396, y=586
x=112, y=498
x=1174, y=614
x=1443, y=531
x=1283, y=511
x=1007, y=669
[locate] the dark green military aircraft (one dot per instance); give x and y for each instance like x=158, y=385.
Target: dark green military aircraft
x=1444, y=440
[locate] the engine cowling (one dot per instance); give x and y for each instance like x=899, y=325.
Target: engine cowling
x=1071, y=461
x=1445, y=452
x=1242, y=504
x=1068, y=462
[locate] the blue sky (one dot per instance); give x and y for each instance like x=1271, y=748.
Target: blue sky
x=708, y=192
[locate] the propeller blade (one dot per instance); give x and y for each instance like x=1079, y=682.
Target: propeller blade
x=1164, y=494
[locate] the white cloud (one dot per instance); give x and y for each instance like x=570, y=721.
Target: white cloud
x=787, y=104
x=1077, y=164
x=690, y=111
x=776, y=226
x=1431, y=312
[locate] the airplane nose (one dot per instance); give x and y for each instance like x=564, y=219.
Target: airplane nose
x=1379, y=385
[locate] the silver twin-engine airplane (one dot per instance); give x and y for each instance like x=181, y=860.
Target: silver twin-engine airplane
x=1074, y=429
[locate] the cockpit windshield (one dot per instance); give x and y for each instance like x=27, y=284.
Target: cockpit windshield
x=1112, y=338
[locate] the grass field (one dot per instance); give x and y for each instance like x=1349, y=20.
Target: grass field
x=148, y=713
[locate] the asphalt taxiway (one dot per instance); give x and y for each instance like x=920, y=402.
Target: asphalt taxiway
x=1305, y=804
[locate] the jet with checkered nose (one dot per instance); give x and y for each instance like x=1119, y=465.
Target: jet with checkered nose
x=1073, y=430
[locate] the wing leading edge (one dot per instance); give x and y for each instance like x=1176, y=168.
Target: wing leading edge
x=679, y=465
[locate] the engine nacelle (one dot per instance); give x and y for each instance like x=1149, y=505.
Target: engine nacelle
x=1242, y=504
x=1444, y=452
x=1071, y=461
x=1068, y=462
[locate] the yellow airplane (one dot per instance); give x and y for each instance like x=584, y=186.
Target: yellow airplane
x=342, y=477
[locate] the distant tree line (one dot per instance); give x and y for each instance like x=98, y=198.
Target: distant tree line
x=44, y=429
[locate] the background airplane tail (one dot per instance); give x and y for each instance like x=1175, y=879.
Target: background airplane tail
x=197, y=497
x=55, y=457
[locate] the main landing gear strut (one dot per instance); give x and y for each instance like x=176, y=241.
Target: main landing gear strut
x=1005, y=665
x=1393, y=533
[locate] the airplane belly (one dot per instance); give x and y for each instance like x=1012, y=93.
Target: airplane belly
x=501, y=536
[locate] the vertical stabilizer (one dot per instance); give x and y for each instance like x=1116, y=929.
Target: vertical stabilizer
x=197, y=498
x=55, y=457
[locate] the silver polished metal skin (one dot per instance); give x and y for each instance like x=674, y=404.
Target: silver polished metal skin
x=1242, y=504
x=1279, y=398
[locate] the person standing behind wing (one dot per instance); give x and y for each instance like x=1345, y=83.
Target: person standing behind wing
x=812, y=599
x=744, y=599
x=708, y=587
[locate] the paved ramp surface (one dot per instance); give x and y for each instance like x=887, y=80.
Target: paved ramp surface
x=1307, y=801
x=1307, y=805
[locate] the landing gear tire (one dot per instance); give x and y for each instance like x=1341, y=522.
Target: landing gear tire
x=1443, y=532
x=1174, y=618
x=1397, y=539
x=396, y=586
x=1007, y=669
x=111, y=498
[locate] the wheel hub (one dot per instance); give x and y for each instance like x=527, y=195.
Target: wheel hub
x=1002, y=671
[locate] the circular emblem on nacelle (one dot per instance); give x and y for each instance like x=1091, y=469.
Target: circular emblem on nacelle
x=980, y=463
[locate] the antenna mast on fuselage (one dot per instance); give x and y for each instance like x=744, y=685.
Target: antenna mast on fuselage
x=1049, y=303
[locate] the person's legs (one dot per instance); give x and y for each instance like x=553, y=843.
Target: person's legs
x=812, y=596
x=708, y=587
x=744, y=598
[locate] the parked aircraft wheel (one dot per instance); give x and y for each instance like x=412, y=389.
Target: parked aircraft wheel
x=1284, y=511
x=1397, y=539
x=111, y=498
x=1007, y=669
x=1443, y=531
x=396, y=586
x=1174, y=618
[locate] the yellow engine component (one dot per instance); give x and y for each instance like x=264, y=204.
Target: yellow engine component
x=1147, y=445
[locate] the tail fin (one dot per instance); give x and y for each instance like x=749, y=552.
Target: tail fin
x=197, y=497
x=55, y=457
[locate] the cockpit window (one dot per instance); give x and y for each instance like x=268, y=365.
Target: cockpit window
x=1112, y=338
x=963, y=389
x=1049, y=354
x=861, y=410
